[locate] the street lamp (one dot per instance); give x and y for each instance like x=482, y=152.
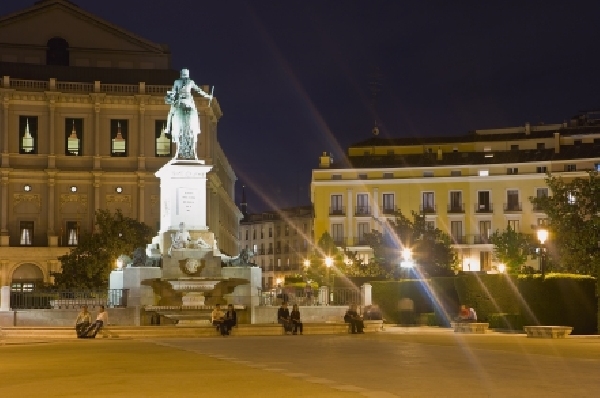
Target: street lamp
x=501, y=268
x=542, y=235
x=328, y=264
x=407, y=261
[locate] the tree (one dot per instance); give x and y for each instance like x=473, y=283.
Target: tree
x=431, y=248
x=573, y=222
x=88, y=265
x=511, y=248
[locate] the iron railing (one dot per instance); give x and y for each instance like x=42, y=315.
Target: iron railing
x=484, y=208
x=455, y=208
x=512, y=206
x=337, y=211
x=301, y=296
x=59, y=299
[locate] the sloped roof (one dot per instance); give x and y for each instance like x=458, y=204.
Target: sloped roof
x=70, y=7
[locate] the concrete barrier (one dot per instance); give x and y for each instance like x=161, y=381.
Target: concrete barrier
x=548, y=332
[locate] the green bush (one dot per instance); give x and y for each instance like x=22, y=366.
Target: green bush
x=506, y=321
x=387, y=294
x=488, y=294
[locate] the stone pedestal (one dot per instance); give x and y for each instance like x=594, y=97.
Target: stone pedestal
x=132, y=279
x=365, y=294
x=183, y=195
x=246, y=294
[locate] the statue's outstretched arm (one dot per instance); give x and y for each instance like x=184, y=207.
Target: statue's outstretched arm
x=201, y=92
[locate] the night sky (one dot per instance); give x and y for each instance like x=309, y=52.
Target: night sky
x=294, y=78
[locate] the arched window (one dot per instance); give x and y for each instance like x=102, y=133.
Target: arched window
x=57, y=52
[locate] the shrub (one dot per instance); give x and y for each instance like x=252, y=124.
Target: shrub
x=488, y=294
x=506, y=321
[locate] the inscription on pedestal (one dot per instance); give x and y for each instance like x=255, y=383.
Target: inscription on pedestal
x=188, y=201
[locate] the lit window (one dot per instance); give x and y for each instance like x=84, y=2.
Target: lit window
x=163, y=139
x=72, y=233
x=26, y=234
x=28, y=134
x=512, y=170
x=118, y=134
x=541, y=169
x=484, y=173
x=570, y=167
x=73, y=136
x=571, y=198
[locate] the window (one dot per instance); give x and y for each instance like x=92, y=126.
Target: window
x=286, y=230
x=246, y=234
x=428, y=205
x=514, y=147
x=456, y=231
x=278, y=231
x=28, y=134
x=73, y=137
x=541, y=146
x=362, y=176
x=57, y=52
x=278, y=247
x=541, y=193
x=304, y=228
x=72, y=233
x=483, y=201
x=571, y=199
x=270, y=248
x=162, y=139
x=286, y=247
x=484, y=173
x=570, y=167
x=270, y=232
x=596, y=166
x=336, y=176
x=262, y=249
x=485, y=230
x=337, y=233
x=389, y=205
x=456, y=204
x=253, y=233
x=26, y=235
x=455, y=173
x=485, y=261
x=428, y=174
x=512, y=200
x=388, y=175
x=429, y=224
x=542, y=222
x=512, y=170
x=118, y=137
x=514, y=225
x=362, y=204
x=262, y=233
x=336, y=205
x=541, y=169
x=363, y=229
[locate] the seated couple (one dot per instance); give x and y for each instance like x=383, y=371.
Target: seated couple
x=466, y=314
x=224, y=321
x=289, y=321
x=356, y=322
x=83, y=324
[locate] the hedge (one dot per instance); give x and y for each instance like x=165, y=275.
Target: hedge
x=387, y=294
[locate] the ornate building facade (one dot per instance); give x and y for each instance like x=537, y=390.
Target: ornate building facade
x=468, y=186
x=82, y=128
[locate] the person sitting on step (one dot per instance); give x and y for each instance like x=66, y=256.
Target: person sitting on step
x=295, y=318
x=356, y=322
x=283, y=317
x=101, y=320
x=218, y=319
x=230, y=318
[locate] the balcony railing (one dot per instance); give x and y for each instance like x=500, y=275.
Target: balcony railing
x=484, y=208
x=362, y=210
x=270, y=251
x=389, y=209
x=359, y=242
x=537, y=208
x=339, y=240
x=428, y=209
x=337, y=211
x=456, y=208
x=481, y=240
x=510, y=207
x=459, y=240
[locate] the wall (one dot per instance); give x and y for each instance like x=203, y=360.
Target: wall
x=316, y=314
x=116, y=316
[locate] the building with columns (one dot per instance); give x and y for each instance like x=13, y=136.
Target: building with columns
x=468, y=186
x=82, y=128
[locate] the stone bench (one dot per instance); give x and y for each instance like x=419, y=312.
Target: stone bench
x=470, y=327
x=373, y=326
x=548, y=332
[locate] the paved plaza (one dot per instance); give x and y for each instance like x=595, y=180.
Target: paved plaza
x=399, y=362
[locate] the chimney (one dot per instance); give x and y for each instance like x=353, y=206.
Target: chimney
x=556, y=142
x=325, y=161
x=527, y=128
x=439, y=153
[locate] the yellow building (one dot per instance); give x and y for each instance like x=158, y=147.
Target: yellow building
x=468, y=186
x=82, y=128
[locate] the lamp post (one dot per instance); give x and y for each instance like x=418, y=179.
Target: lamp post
x=328, y=264
x=542, y=235
x=407, y=261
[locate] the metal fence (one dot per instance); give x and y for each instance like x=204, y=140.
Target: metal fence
x=301, y=296
x=55, y=299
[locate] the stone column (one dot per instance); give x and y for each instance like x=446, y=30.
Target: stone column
x=141, y=134
x=5, y=298
x=52, y=237
x=4, y=238
x=141, y=195
x=5, y=134
x=96, y=194
x=51, y=137
x=365, y=295
x=375, y=201
x=97, y=164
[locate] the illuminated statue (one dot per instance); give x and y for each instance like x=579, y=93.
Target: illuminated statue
x=183, y=121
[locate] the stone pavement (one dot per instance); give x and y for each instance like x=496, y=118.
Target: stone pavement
x=399, y=362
